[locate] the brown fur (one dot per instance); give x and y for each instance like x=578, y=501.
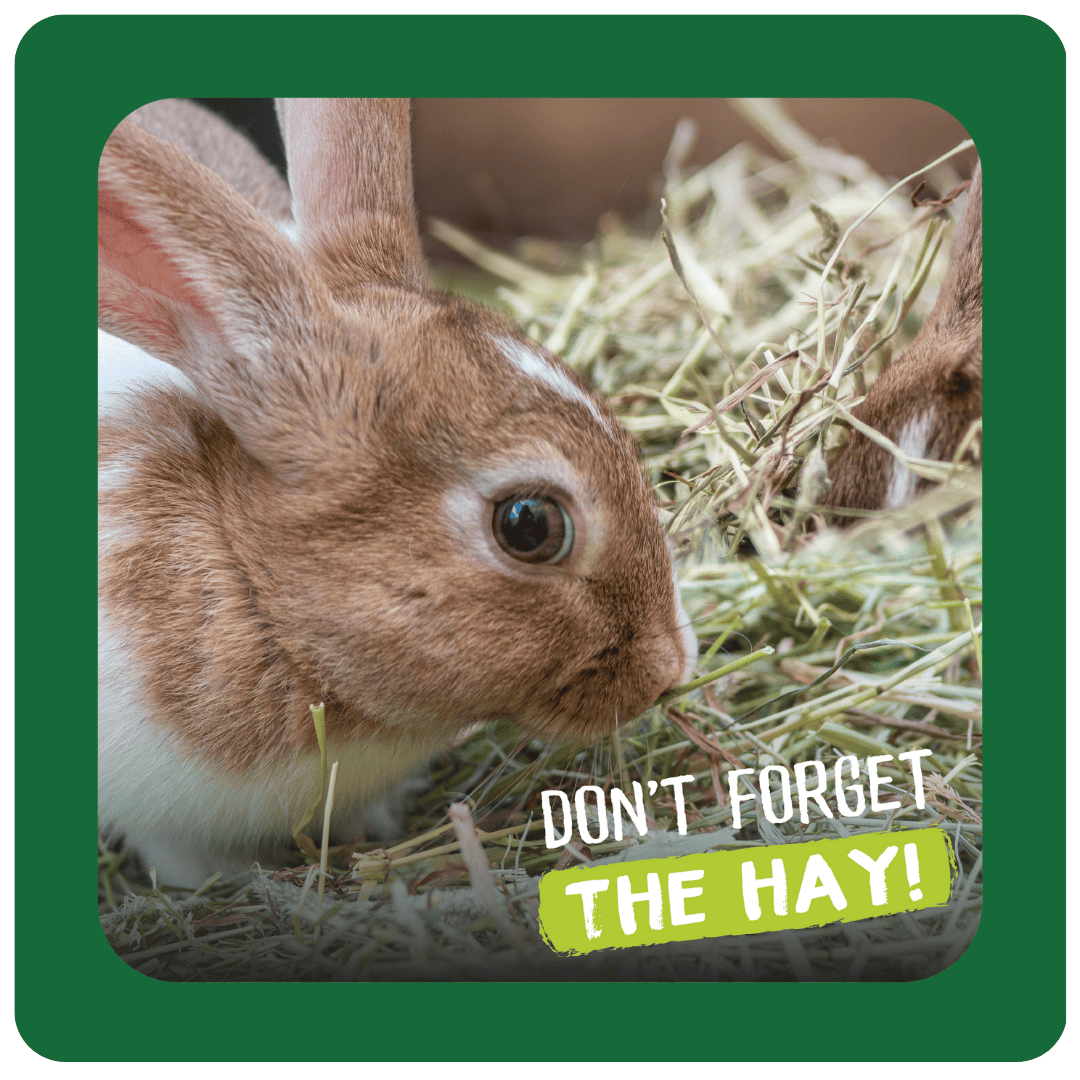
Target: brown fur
x=940, y=375
x=283, y=541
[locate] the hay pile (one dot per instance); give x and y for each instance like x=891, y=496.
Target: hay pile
x=730, y=335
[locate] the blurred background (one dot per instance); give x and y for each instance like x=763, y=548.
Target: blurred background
x=503, y=168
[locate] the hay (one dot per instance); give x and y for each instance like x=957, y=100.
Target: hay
x=730, y=334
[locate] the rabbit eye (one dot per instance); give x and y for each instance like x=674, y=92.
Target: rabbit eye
x=533, y=529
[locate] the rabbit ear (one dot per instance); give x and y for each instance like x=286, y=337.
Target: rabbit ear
x=192, y=274
x=959, y=305
x=350, y=171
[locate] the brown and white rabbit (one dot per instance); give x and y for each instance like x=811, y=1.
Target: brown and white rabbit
x=928, y=399
x=373, y=495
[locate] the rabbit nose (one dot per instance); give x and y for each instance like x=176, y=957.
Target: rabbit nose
x=673, y=666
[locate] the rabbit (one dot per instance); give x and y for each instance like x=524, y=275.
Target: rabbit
x=362, y=492
x=928, y=399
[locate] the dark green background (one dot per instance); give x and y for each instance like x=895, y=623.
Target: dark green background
x=76, y=77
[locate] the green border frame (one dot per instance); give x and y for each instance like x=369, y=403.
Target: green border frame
x=76, y=76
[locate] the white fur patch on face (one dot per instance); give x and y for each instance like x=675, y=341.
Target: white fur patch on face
x=913, y=441
x=536, y=366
